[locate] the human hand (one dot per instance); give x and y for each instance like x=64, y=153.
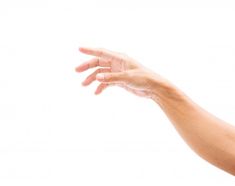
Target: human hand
x=120, y=70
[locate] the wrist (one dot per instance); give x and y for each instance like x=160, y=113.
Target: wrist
x=163, y=92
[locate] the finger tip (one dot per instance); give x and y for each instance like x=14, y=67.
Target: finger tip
x=82, y=49
x=79, y=69
x=96, y=93
x=84, y=84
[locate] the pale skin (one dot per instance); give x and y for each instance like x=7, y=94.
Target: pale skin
x=210, y=137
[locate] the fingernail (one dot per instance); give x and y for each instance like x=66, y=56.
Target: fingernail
x=100, y=77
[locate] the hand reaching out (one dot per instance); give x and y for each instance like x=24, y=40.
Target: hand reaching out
x=211, y=138
x=117, y=69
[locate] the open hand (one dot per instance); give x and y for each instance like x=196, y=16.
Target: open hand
x=117, y=69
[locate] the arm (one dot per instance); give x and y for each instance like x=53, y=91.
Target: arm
x=210, y=137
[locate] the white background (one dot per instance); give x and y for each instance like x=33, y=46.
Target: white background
x=53, y=131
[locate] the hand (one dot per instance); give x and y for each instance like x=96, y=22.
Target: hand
x=199, y=128
x=118, y=69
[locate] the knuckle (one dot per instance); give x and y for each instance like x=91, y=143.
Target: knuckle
x=98, y=70
x=98, y=61
x=103, y=70
x=100, y=52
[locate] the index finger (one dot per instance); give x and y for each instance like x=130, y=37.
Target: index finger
x=98, y=52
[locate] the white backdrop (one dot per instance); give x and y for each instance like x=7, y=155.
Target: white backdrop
x=53, y=131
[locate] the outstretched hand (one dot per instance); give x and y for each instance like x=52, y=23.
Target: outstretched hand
x=199, y=128
x=117, y=69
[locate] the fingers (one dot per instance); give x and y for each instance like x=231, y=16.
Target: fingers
x=92, y=77
x=93, y=63
x=101, y=87
x=117, y=77
x=103, y=53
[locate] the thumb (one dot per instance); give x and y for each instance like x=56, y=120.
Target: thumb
x=117, y=77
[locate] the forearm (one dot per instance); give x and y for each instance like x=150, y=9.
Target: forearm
x=210, y=137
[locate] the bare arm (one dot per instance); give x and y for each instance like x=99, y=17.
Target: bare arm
x=210, y=137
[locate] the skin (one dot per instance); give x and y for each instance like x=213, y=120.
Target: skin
x=210, y=137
